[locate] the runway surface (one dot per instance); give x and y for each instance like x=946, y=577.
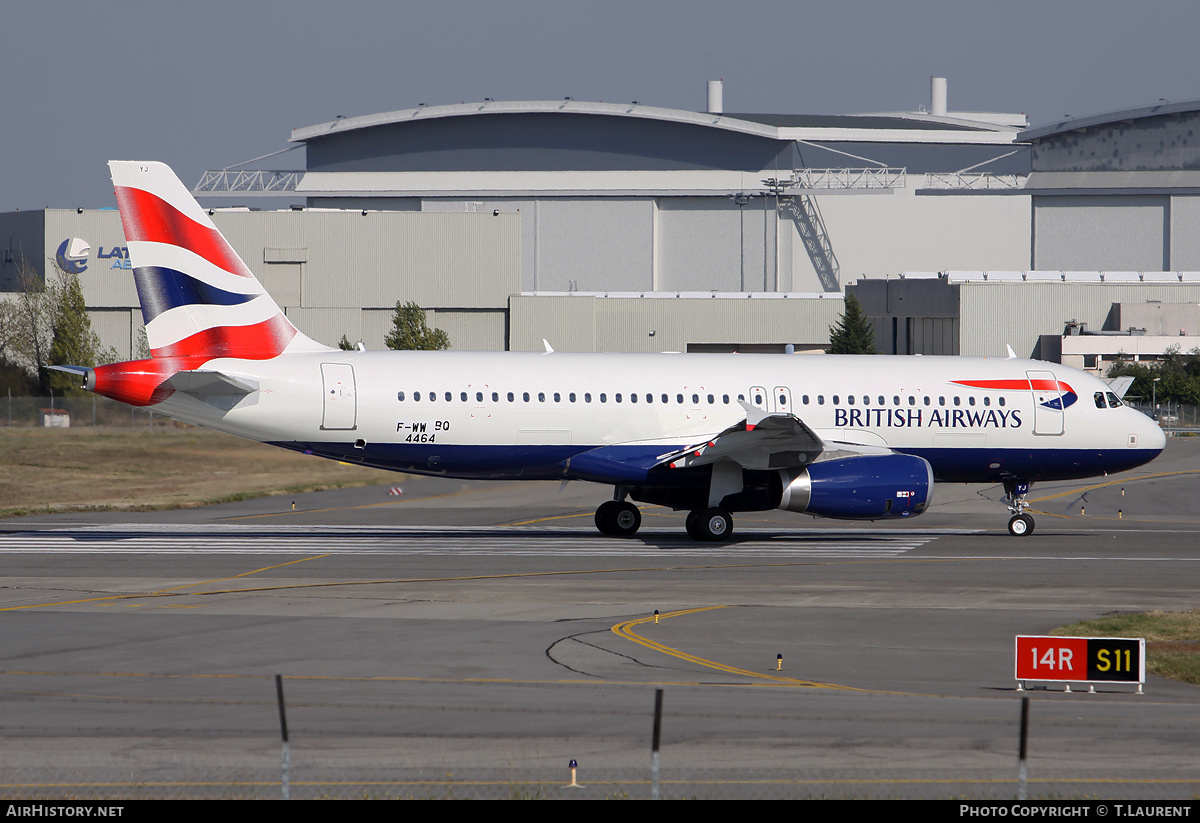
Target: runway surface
x=469, y=639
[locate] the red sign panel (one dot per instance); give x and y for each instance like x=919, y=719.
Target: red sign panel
x=1084, y=659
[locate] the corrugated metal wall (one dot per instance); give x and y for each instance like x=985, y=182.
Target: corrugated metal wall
x=588, y=323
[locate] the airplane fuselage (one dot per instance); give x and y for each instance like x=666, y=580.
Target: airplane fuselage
x=523, y=416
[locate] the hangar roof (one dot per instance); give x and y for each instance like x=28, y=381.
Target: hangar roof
x=1070, y=124
x=903, y=128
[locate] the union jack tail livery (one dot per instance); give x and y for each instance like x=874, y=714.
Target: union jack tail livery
x=199, y=300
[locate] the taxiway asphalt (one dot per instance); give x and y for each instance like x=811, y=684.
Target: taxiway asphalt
x=469, y=639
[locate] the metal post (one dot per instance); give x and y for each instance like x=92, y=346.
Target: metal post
x=654, y=745
x=286, y=761
x=1022, y=773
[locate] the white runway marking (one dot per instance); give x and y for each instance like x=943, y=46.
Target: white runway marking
x=458, y=540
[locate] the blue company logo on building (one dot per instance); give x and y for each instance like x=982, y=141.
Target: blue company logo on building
x=73, y=256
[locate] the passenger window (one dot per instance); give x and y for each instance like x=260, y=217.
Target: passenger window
x=557, y=397
x=510, y=397
x=478, y=397
x=587, y=397
x=666, y=399
x=1001, y=401
x=449, y=397
x=432, y=397
x=849, y=399
x=463, y=397
x=725, y=399
x=710, y=400
x=525, y=396
x=928, y=400
x=617, y=397
x=400, y=397
x=679, y=398
x=633, y=397
x=987, y=401
x=541, y=397
x=495, y=397
x=820, y=400
x=571, y=397
x=603, y=397
x=696, y=400
x=804, y=399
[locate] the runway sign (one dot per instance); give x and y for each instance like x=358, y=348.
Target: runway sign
x=1081, y=659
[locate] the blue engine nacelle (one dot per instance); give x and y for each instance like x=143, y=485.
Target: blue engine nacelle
x=869, y=487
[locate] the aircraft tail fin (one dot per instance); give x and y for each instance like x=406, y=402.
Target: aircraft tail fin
x=199, y=300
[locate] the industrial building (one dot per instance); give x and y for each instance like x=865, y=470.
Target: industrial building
x=627, y=227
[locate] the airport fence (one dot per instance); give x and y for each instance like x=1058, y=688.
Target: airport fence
x=141, y=736
x=74, y=411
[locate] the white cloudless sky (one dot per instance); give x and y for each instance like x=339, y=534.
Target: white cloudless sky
x=207, y=85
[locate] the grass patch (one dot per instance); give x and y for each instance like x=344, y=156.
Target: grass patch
x=1172, y=639
x=126, y=469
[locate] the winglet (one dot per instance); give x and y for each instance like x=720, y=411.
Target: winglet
x=549, y=348
x=754, y=415
x=1012, y=355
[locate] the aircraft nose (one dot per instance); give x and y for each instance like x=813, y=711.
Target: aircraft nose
x=1150, y=435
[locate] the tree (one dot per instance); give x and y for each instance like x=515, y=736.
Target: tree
x=72, y=343
x=410, y=331
x=854, y=333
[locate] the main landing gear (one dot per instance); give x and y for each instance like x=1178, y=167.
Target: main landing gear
x=710, y=525
x=620, y=518
x=1020, y=524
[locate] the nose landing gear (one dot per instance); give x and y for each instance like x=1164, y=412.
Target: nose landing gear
x=1020, y=524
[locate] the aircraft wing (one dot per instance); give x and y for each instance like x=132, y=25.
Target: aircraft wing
x=761, y=441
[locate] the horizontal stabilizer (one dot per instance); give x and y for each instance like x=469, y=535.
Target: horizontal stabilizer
x=203, y=382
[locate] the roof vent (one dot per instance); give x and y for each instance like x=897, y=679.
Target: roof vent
x=716, y=96
x=937, y=105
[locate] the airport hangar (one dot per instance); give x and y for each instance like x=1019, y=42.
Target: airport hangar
x=623, y=227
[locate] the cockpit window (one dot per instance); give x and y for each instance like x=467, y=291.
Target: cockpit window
x=1113, y=400
x=1099, y=397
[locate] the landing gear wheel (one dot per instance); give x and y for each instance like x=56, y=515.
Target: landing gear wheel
x=618, y=518
x=710, y=525
x=1021, y=525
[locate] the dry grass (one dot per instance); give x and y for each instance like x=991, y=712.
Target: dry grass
x=153, y=468
x=1172, y=639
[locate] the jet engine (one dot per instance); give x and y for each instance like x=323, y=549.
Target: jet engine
x=869, y=487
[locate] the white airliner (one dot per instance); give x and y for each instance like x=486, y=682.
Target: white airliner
x=843, y=437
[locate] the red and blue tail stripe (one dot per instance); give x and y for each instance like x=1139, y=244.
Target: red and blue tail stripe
x=199, y=299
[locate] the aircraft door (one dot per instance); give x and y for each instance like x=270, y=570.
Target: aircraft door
x=340, y=404
x=1047, y=402
x=781, y=396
